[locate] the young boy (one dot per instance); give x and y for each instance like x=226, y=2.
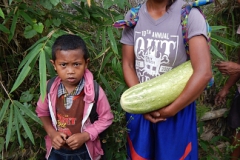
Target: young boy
x=65, y=110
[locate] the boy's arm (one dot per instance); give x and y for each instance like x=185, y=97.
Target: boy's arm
x=105, y=117
x=58, y=139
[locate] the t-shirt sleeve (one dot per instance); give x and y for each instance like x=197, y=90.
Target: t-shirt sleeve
x=127, y=33
x=196, y=24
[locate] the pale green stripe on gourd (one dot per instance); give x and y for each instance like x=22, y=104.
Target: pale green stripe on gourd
x=157, y=92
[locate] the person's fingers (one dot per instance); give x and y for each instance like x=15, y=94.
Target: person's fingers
x=154, y=119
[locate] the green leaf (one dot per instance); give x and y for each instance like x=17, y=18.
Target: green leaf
x=216, y=28
x=26, y=17
x=29, y=32
x=13, y=26
x=54, y=2
x=108, y=87
x=31, y=55
x=104, y=38
x=4, y=109
x=57, y=22
x=112, y=40
x=23, y=74
x=38, y=42
x=216, y=52
x=26, y=96
x=4, y=29
x=28, y=112
x=42, y=74
x=46, y=4
x=108, y=3
x=67, y=1
x=9, y=126
x=2, y=14
x=16, y=120
x=2, y=141
x=38, y=27
x=24, y=124
x=224, y=40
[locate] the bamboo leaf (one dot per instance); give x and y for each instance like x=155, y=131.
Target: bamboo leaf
x=30, y=56
x=108, y=87
x=216, y=28
x=9, y=126
x=37, y=43
x=4, y=29
x=28, y=112
x=23, y=74
x=2, y=14
x=3, y=110
x=42, y=74
x=112, y=40
x=16, y=112
x=24, y=124
x=216, y=52
x=26, y=17
x=104, y=38
x=224, y=40
x=13, y=26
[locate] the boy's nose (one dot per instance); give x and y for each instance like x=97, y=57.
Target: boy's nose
x=70, y=70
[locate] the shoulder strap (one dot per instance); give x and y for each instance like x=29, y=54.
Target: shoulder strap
x=133, y=19
x=94, y=115
x=184, y=20
x=49, y=84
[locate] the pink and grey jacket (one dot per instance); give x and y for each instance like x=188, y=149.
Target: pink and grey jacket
x=48, y=108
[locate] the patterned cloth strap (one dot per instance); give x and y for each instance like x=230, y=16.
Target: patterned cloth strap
x=184, y=20
x=133, y=19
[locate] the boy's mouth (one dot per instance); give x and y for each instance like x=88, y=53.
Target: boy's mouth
x=71, y=79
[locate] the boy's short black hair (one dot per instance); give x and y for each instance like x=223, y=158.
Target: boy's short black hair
x=69, y=42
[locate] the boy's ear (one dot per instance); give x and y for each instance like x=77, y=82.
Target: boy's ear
x=53, y=64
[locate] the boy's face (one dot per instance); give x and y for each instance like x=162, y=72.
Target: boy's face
x=70, y=66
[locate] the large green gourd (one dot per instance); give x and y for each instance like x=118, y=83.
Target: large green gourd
x=157, y=92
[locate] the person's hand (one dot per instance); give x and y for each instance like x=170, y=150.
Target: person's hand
x=221, y=97
x=228, y=68
x=155, y=116
x=77, y=140
x=58, y=139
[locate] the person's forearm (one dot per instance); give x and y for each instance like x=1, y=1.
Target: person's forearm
x=231, y=81
x=202, y=73
x=130, y=76
x=47, y=124
x=128, y=65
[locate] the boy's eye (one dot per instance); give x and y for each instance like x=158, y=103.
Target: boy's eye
x=63, y=64
x=76, y=64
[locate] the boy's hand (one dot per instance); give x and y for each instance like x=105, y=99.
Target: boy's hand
x=58, y=139
x=77, y=140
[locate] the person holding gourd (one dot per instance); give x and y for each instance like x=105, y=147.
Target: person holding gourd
x=152, y=47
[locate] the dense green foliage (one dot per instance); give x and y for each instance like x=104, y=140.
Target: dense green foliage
x=28, y=28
